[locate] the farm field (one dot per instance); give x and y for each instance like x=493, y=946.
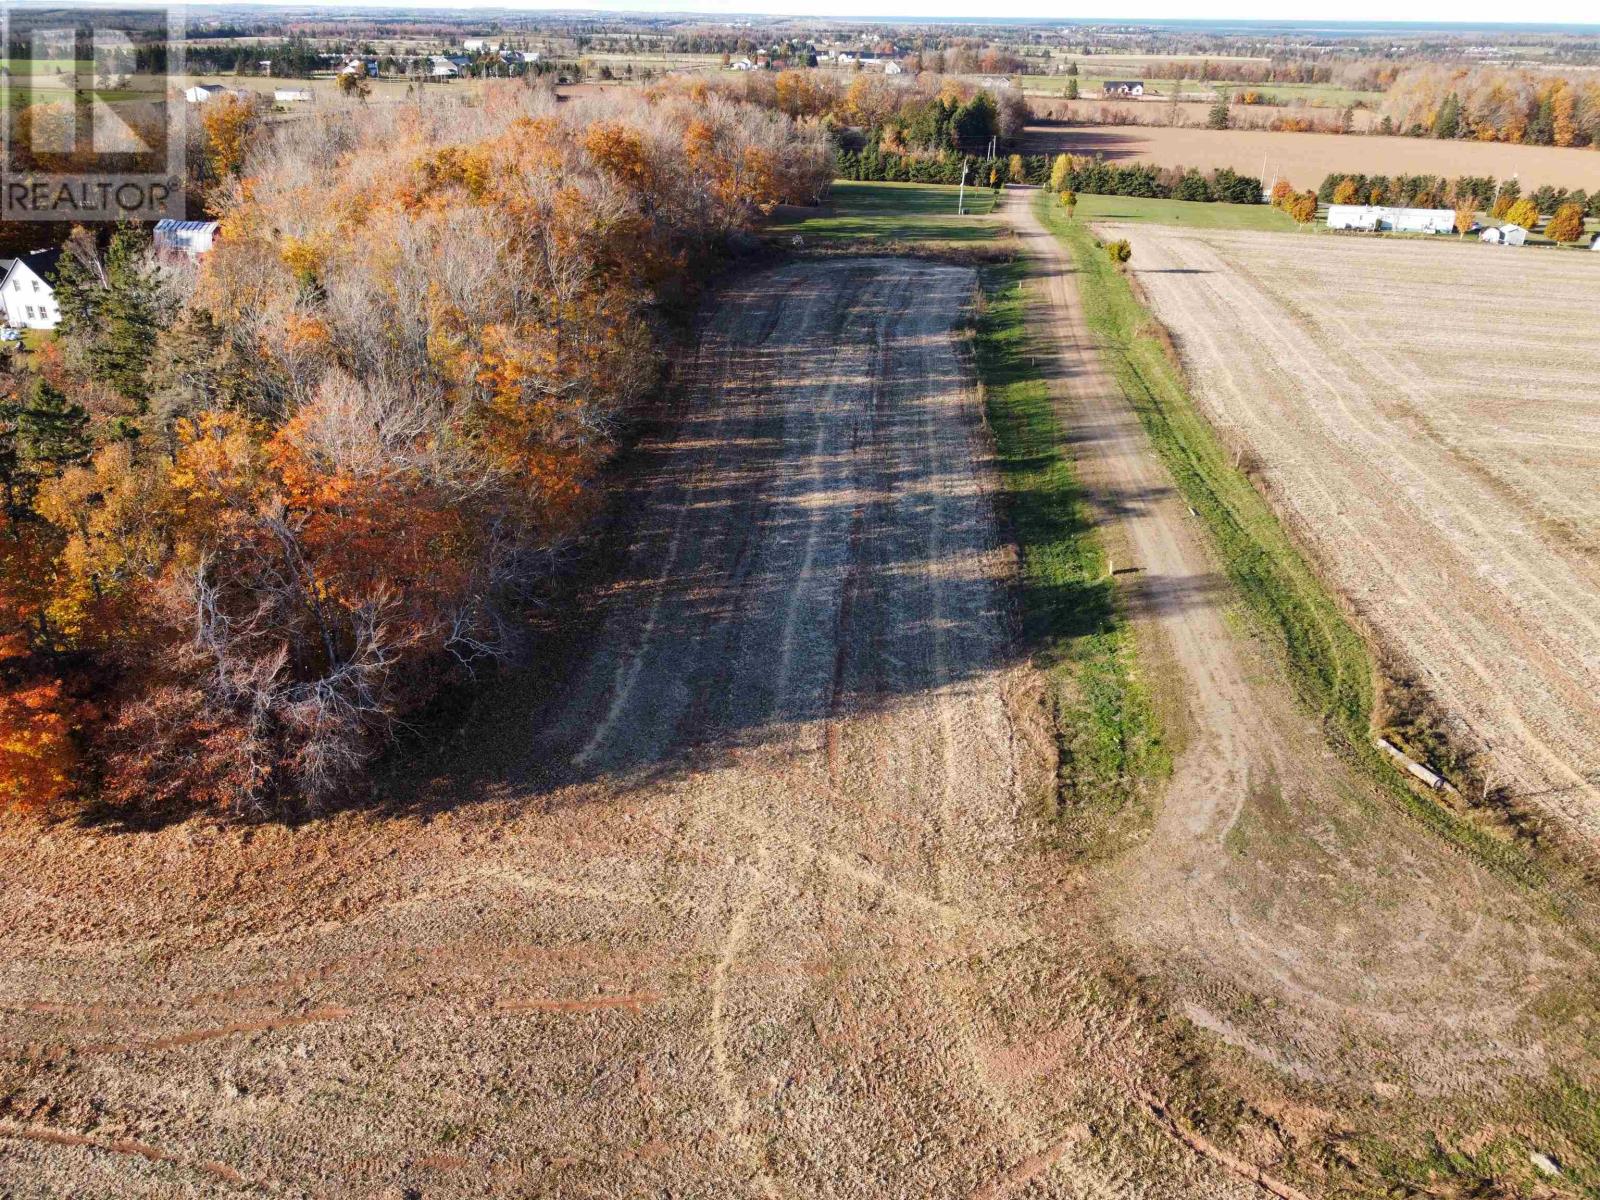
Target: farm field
x=1445, y=473
x=1304, y=158
x=914, y=212
x=1315, y=94
x=1187, y=213
x=752, y=909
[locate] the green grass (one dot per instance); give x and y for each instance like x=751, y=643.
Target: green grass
x=1191, y=90
x=1188, y=213
x=1327, y=660
x=905, y=212
x=1107, y=734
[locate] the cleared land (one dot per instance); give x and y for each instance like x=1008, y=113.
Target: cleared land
x=755, y=911
x=1426, y=417
x=1188, y=213
x=911, y=212
x=1304, y=158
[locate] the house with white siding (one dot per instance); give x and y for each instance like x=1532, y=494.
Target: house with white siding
x=27, y=292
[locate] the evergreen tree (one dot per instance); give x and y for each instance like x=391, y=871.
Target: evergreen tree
x=52, y=433
x=129, y=319
x=1219, y=118
x=1447, y=123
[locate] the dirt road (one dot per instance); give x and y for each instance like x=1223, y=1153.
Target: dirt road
x=1270, y=873
x=760, y=912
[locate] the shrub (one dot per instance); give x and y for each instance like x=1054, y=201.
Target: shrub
x=1119, y=251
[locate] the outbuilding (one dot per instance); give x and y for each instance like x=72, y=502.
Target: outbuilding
x=192, y=238
x=1504, y=235
x=202, y=92
x=1381, y=219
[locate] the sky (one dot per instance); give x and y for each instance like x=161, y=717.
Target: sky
x=1461, y=12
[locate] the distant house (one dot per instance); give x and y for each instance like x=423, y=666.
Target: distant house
x=1380, y=219
x=1504, y=235
x=27, y=292
x=442, y=68
x=893, y=68
x=290, y=95
x=1123, y=87
x=480, y=45
x=192, y=238
x=357, y=66
x=743, y=64
x=202, y=92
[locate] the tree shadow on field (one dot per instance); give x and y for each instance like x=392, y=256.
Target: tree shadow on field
x=806, y=535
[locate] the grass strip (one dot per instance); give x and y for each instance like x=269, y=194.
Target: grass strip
x=1110, y=746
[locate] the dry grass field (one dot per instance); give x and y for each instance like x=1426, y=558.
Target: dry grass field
x=1304, y=158
x=1425, y=415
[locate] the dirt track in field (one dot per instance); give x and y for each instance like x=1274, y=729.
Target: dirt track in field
x=774, y=924
x=1426, y=416
x=1298, y=923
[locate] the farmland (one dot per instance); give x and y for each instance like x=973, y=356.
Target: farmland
x=1304, y=158
x=1425, y=418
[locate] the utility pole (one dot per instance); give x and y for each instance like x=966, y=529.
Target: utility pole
x=961, y=196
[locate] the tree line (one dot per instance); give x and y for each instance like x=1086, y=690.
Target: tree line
x=1064, y=172
x=1483, y=192
x=258, y=512
x=1489, y=104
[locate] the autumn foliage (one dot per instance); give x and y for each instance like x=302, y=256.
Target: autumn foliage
x=337, y=467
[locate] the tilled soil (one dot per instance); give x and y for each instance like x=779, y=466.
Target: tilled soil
x=759, y=912
x=1427, y=417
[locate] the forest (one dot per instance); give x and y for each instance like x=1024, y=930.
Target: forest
x=259, y=511
x=1489, y=104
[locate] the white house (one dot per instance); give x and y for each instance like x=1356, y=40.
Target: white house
x=480, y=45
x=743, y=64
x=290, y=95
x=25, y=289
x=1123, y=87
x=1504, y=235
x=193, y=238
x=443, y=68
x=201, y=92
x=893, y=68
x=1398, y=220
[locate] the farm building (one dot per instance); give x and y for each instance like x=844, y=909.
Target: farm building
x=1396, y=220
x=1504, y=235
x=290, y=95
x=202, y=92
x=26, y=291
x=1123, y=87
x=193, y=238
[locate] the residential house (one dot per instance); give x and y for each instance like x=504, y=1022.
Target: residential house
x=27, y=290
x=1123, y=87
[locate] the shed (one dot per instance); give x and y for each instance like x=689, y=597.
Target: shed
x=193, y=238
x=1504, y=235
